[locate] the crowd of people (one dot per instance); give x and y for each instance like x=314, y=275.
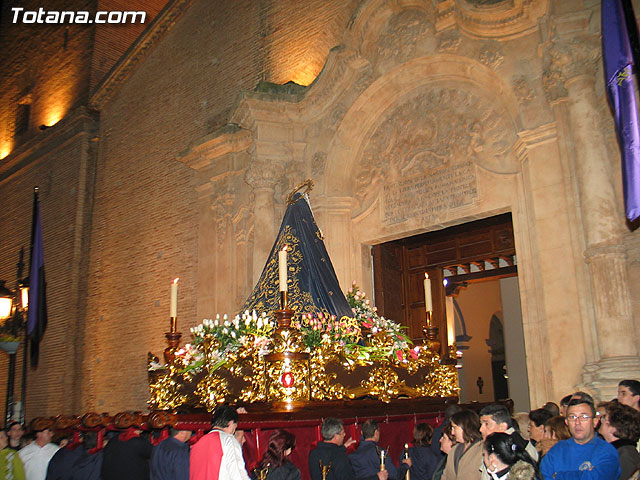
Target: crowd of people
x=577, y=439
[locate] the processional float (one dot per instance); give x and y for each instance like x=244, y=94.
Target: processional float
x=298, y=340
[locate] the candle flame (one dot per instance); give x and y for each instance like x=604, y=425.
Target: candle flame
x=426, y=275
x=285, y=248
x=176, y=280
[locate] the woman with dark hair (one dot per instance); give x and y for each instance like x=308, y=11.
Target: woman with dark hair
x=423, y=460
x=463, y=462
x=275, y=461
x=504, y=459
x=447, y=442
x=620, y=426
x=555, y=429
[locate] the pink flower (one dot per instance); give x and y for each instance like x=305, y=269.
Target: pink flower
x=413, y=354
x=367, y=325
x=399, y=355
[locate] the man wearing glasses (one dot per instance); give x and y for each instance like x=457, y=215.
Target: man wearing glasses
x=584, y=455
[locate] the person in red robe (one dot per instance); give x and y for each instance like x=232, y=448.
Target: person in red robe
x=218, y=455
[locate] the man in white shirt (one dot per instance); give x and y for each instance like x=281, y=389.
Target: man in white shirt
x=218, y=455
x=36, y=456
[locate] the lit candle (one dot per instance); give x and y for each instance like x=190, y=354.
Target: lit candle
x=173, y=310
x=451, y=333
x=428, y=304
x=282, y=269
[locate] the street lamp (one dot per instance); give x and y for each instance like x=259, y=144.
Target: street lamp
x=13, y=306
x=6, y=301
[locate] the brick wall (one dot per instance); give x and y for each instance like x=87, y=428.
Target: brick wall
x=46, y=65
x=111, y=41
x=64, y=175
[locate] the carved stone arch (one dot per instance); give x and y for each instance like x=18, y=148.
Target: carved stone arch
x=446, y=72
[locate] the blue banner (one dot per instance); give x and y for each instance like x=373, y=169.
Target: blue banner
x=618, y=67
x=37, y=313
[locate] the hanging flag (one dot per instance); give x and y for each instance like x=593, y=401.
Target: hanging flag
x=618, y=68
x=37, y=313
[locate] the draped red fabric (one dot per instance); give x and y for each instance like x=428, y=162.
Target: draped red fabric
x=164, y=434
x=395, y=431
x=128, y=434
x=196, y=436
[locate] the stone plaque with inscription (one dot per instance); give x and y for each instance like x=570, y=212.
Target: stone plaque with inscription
x=430, y=194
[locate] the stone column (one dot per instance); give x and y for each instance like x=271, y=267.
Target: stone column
x=333, y=216
x=242, y=225
x=601, y=220
x=263, y=176
x=219, y=162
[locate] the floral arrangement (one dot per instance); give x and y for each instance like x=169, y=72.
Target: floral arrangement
x=396, y=340
x=227, y=336
x=363, y=338
x=324, y=328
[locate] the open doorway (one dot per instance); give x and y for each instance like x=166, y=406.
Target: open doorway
x=473, y=276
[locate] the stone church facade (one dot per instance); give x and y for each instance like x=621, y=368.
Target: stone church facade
x=410, y=116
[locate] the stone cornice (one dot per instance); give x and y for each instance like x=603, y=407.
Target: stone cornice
x=229, y=139
x=531, y=138
x=503, y=20
x=79, y=122
x=121, y=71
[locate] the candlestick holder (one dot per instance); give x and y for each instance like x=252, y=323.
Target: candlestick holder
x=173, y=340
x=431, y=334
x=324, y=469
x=262, y=473
x=428, y=315
x=284, y=300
